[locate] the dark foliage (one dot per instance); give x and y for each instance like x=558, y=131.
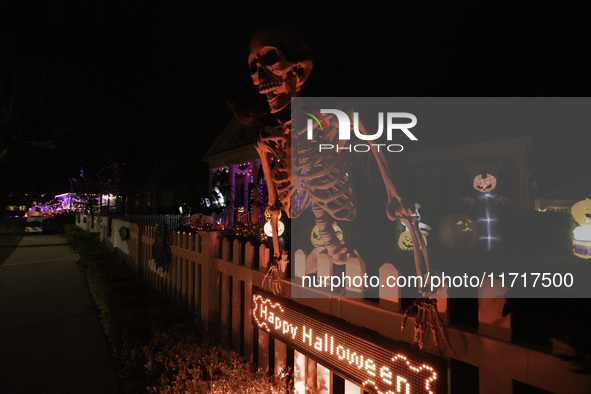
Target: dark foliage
x=539, y=232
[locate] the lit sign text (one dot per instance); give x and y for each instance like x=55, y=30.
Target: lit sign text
x=370, y=365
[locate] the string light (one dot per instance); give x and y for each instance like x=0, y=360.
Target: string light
x=249, y=230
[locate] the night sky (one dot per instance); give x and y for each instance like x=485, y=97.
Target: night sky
x=92, y=83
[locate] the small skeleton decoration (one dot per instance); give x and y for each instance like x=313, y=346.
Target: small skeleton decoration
x=490, y=234
x=280, y=63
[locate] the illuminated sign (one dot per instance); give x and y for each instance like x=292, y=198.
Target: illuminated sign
x=372, y=366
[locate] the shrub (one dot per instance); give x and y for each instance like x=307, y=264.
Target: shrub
x=538, y=232
x=54, y=223
x=177, y=362
x=153, y=345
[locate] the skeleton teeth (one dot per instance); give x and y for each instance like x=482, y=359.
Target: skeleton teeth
x=269, y=87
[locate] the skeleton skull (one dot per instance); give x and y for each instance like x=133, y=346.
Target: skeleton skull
x=279, y=65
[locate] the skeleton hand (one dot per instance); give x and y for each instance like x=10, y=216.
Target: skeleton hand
x=272, y=279
x=427, y=317
x=275, y=209
x=397, y=209
x=290, y=82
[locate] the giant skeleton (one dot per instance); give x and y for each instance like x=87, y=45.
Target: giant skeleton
x=280, y=63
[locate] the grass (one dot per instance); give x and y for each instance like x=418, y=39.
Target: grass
x=11, y=233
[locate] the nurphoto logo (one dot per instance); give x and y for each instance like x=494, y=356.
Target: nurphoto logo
x=392, y=120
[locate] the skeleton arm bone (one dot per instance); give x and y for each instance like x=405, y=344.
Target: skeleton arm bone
x=396, y=209
x=272, y=205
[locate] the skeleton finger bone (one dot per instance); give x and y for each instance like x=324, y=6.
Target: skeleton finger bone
x=446, y=343
x=421, y=257
x=432, y=323
x=417, y=325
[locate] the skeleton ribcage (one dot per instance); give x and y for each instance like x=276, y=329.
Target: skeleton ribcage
x=274, y=147
x=319, y=178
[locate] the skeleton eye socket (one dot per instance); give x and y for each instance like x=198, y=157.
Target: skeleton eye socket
x=269, y=58
x=253, y=67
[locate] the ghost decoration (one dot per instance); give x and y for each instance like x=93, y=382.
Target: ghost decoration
x=457, y=232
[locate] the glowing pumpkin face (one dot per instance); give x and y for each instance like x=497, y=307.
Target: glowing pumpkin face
x=405, y=241
x=268, y=216
x=268, y=229
x=485, y=184
x=457, y=231
x=317, y=240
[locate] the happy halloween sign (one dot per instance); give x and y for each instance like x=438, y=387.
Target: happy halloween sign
x=372, y=366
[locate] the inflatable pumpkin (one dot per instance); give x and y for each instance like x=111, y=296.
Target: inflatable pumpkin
x=485, y=183
x=457, y=231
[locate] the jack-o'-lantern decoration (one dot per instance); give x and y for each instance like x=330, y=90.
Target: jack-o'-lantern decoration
x=268, y=229
x=405, y=240
x=485, y=183
x=268, y=216
x=581, y=212
x=457, y=231
x=317, y=240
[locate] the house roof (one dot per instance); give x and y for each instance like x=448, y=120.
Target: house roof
x=235, y=139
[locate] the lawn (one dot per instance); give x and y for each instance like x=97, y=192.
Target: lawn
x=11, y=233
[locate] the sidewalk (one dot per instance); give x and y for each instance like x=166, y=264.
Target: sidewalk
x=50, y=337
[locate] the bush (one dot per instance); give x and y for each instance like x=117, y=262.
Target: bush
x=152, y=343
x=54, y=224
x=177, y=362
x=538, y=232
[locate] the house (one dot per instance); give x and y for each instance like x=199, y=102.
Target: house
x=236, y=179
x=563, y=198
